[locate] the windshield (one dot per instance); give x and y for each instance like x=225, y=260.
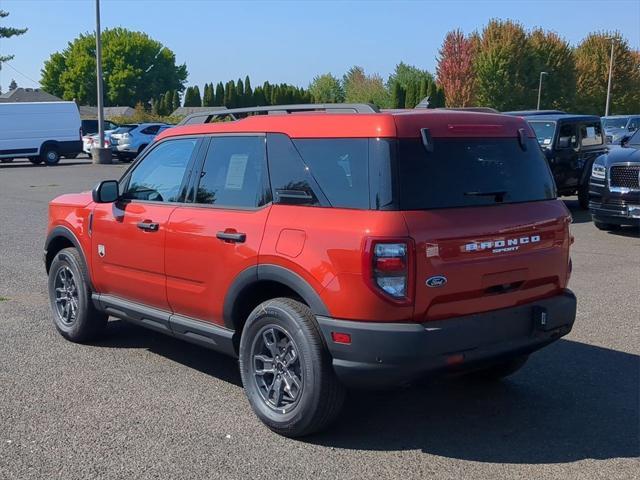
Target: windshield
x=544, y=132
x=466, y=172
x=610, y=123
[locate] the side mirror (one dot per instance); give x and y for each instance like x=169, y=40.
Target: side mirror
x=107, y=191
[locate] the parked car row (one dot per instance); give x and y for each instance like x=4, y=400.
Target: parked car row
x=126, y=141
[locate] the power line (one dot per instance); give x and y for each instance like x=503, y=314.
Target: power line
x=20, y=73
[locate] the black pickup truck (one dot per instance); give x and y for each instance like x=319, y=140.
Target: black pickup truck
x=614, y=187
x=570, y=143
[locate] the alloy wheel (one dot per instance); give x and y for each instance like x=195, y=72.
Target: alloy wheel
x=66, y=299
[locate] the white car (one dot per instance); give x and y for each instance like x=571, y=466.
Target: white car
x=129, y=140
x=39, y=131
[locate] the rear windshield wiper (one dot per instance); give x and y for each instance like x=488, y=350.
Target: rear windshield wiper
x=498, y=194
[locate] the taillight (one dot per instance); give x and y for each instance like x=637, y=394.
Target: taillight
x=389, y=268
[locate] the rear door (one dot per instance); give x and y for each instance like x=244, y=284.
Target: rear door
x=592, y=145
x=128, y=236
x=489, y=233
x=217, y=235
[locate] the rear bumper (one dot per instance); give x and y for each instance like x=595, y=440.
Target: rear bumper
x=387, y=354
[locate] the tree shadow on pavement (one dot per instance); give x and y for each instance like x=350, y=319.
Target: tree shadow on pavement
x=572, y=401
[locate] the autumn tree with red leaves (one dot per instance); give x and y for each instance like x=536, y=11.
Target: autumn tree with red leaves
x=455, y=69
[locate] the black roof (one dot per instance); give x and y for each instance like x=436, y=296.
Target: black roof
x=562, y=116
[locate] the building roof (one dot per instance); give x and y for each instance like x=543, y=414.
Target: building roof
x=184, y=111
x=87, y=112
x=28, y=95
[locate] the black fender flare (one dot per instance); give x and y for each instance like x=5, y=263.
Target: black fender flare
x=66, y=233
x=274, y=273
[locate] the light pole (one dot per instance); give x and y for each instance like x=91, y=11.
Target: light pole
x=100, y=154
x=606, y=108
x=540, y=88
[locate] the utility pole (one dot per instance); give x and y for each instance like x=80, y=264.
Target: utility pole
x=606, y=108
x=540, y=89
x=100, y=154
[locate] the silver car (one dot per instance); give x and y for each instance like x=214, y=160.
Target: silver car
x=129, y=140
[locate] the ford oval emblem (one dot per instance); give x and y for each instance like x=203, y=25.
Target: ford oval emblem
x=436, y=281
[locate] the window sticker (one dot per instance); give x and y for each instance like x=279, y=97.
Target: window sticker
x=546, y=141
x=591, y=131
x=235, y=172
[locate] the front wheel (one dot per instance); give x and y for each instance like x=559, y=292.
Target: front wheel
x=74, y=315
x=50, y=155
x=286, y=370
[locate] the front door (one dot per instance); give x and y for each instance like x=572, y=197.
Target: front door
x=216, y=236
x=128, y=236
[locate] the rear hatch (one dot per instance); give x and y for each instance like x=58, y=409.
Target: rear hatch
x=488, y=230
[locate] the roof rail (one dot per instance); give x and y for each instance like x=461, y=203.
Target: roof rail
x=236, y=113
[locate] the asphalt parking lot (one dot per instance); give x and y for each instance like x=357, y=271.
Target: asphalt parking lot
x=141, y=405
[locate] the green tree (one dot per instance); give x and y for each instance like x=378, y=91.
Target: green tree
x=266, y=86
x=326, y=89
x=259, y=98
x=8, y=32
x=554, y=55
x=504, y=65
x=248, y=92
x=208, y=97
x=362, y=88
x=176, y=101
x=406, y=74
x=410, y=98
x=231, y=95
x=136, y=68
x=197, y=99
x=592, y=58
x=219, y=94
x=240, y=93
x=398, y=95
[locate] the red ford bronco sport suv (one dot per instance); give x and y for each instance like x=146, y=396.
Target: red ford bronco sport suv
x=325, y=250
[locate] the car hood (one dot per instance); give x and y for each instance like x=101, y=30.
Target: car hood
x=73, y=199
x=621, y=154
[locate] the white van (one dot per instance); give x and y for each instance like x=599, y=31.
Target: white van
x=39, y=131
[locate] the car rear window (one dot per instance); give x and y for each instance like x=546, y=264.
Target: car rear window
x=467, y=172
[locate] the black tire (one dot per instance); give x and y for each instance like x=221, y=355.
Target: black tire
x=49, y=155
x=498, y=371
x=35, y=160
x=6, y=160
x=606, y=226
x=583, y=196
x=84, y=321
x=290, y=327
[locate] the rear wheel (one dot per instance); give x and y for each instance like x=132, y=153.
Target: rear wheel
x=606, y=226
x=286, y=369
x=49, y=154
x=500, y=370
x=74, y=315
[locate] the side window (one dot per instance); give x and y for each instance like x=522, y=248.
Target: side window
x=159, y=174
x=152, y=130
x=633, y=124
x=591, y=134
x=341, y=168
x=291, y=180
x=234, y=173
x=568, y=136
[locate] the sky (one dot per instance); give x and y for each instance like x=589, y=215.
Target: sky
x=293, y=41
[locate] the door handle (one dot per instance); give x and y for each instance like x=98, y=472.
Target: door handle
x=232, y=237
x=148, y=226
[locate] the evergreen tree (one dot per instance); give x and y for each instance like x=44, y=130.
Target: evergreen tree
x=240, y=93
x=259, y=97
x=219, y=94
x=196, y=96
x=188, y=97
x=231, y=100
x=13, y=85
x=248, y=92
x=176, y=101
x=410, y=99
x=397, y=95
x=208, y=96
x=424, y=88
